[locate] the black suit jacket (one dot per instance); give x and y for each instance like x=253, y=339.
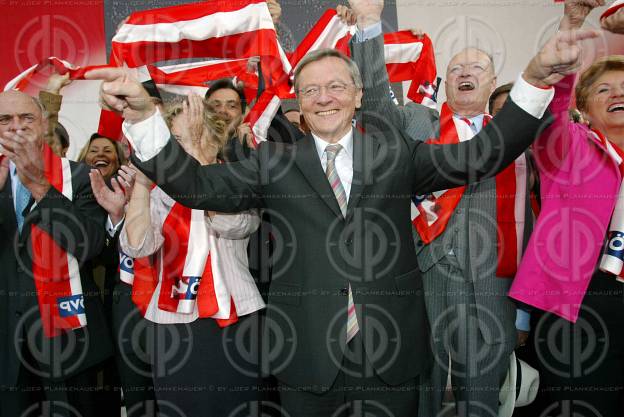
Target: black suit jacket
x=77, y=226
x=320, y=253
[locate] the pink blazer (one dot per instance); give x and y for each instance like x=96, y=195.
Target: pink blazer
x=579, y=186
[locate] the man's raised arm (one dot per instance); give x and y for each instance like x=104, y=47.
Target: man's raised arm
x=512, y=130
x=367, y=50
x=226, y=188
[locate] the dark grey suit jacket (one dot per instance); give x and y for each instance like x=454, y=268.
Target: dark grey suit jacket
x=321, y=253
x=77, y=226
x=472, y=230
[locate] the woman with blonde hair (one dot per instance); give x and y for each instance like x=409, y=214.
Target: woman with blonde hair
x=201, y=288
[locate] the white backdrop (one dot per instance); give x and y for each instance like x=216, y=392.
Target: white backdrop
x=510, y=30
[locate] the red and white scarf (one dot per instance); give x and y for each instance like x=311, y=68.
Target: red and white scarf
x=56, y=272
x=433, y=212
x=184, y=277
x=612, y=260
x=614, y=7
x=408, y=58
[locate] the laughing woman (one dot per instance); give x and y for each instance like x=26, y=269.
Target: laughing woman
x=130, y=369
x=104, y=154
x=203, y=295
x=563, y=272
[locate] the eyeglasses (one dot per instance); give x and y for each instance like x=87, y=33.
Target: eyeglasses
x=474, y=67
x=335, y=88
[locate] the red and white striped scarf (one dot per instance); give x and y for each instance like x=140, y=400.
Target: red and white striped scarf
x=56, y=272
x=184, y=276
x=433, y=212
x=407, y=57
x=183, y=79
x=612, y=260
x=217, y=29
x=614, y=7
x=235, y=32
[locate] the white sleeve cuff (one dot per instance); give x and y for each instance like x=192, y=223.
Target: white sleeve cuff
x=531, y=99
x=147, y=137
x=370, y=32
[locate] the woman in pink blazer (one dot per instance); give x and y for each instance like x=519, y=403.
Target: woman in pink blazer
x=580, y=341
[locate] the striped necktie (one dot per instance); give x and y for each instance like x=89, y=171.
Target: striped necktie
x=341, y=196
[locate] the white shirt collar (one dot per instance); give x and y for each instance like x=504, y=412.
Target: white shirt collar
x=346, y=141
x=475, y=120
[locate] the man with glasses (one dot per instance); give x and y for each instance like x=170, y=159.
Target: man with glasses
x=463, y=250
x=346, y=327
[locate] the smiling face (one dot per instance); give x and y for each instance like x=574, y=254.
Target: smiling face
x=102, y=154
x=226, y=103
x=470, y=80
x=329, y=112
x=604, y=108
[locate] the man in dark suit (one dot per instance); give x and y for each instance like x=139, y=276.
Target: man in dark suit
x=42, y=373
x=474, y=325
x=346, y=322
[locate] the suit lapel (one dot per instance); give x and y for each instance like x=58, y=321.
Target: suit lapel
x=309, y=164
x=7, y=210
x=365, y=150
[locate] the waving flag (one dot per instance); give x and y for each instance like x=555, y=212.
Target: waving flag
x=231, y=30
x=328, y=32
x=215, y=29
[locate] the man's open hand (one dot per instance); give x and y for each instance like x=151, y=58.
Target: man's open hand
x=560, y=56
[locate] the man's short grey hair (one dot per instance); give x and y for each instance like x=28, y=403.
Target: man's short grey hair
x=328, y=53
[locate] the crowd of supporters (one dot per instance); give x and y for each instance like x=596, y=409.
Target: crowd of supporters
x=369, y=258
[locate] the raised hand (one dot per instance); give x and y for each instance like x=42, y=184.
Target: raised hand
x=25, y=149
x=245, y=135
x=418, y=32
x=126, y=177
x=113, y=201
x=275, y=10
x=560, y=56
x=56, y=82
x=367, y=12
x=346, y=15
x=614, y=23
x=122, y=93
x=193, y=111
x=575, y=12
